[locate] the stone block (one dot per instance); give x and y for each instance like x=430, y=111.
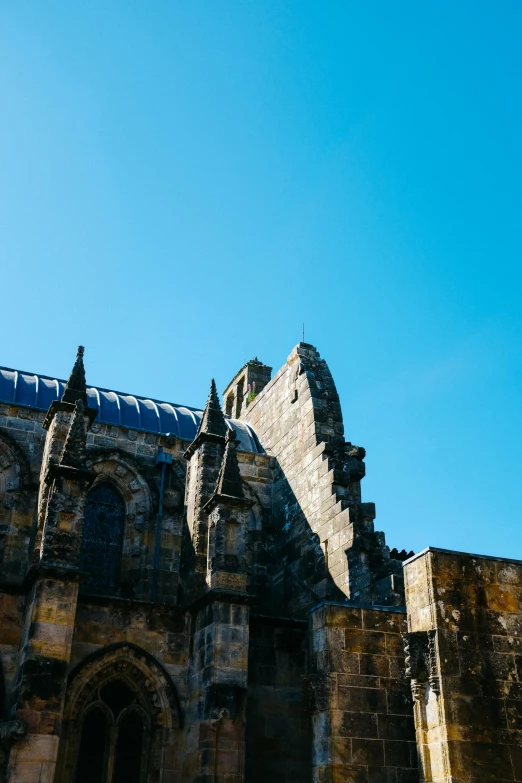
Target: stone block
x=361, y=700
x=368, y=642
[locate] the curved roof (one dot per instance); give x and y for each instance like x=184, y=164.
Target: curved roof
x=124, y=410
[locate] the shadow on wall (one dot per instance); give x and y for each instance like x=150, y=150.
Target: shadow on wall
x=287, y=569
x=299, y=576
x=324, y=543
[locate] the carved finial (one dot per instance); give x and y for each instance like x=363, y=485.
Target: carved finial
x=213, y=420
x=76, y=387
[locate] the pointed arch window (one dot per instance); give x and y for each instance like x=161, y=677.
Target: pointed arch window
x=102, y=537
x=93, y=747
x=113, y=738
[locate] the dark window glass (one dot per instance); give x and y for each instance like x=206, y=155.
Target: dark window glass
x=116, y=696
x=101, y=539
x=92, y=748
x=127, y=762
x=240, y=394
x=230, y=404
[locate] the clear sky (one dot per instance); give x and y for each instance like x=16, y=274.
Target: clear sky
x=182, y=184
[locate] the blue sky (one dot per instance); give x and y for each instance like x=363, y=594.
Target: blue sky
x=182, y=184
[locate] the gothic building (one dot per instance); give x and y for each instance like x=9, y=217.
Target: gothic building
x=201, y=597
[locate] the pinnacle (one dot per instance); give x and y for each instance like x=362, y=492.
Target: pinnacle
x=229, y=479
x=74, y=450
x=76, y=387
x=213, y=420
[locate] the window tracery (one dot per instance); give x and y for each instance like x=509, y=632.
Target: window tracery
x=137, y=706
x=113, y=735
x=102, y=537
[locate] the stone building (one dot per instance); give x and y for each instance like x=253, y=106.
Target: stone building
x=201, y=596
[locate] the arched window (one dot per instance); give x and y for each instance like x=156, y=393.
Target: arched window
x=102, y=538
x=229, y=407
x=93, y=747
x=112, y=738
x=127, y=758
x=240, y=393
x=136, y=707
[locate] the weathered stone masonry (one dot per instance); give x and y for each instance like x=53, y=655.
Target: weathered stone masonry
x=201, y=596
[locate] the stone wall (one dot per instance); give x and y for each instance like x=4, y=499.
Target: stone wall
x=278, y=728
x=326, y=545
x=465, y=661
x=360, y=700
x=11, y=618
x=258, y=471
x=22, y=439
x=158, y=629
x=295, y=422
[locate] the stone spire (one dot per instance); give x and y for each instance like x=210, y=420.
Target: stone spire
x=74, y=451
x=212, y=426
x=76, y=387
x=213, y=420
x=229, y=479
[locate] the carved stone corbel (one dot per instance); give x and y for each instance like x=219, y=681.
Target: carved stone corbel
x=421, y=662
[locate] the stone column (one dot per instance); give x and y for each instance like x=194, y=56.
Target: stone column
x=44, y=658
x=215, y=721
x=219, y=664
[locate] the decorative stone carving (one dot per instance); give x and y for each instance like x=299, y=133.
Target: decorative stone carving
x=433, y=671
x=59, y=545
x=154, y=694
x=421, y=662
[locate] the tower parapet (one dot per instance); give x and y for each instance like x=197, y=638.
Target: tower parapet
x=244, y=387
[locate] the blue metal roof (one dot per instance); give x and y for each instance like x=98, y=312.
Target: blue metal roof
x=124, y=410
